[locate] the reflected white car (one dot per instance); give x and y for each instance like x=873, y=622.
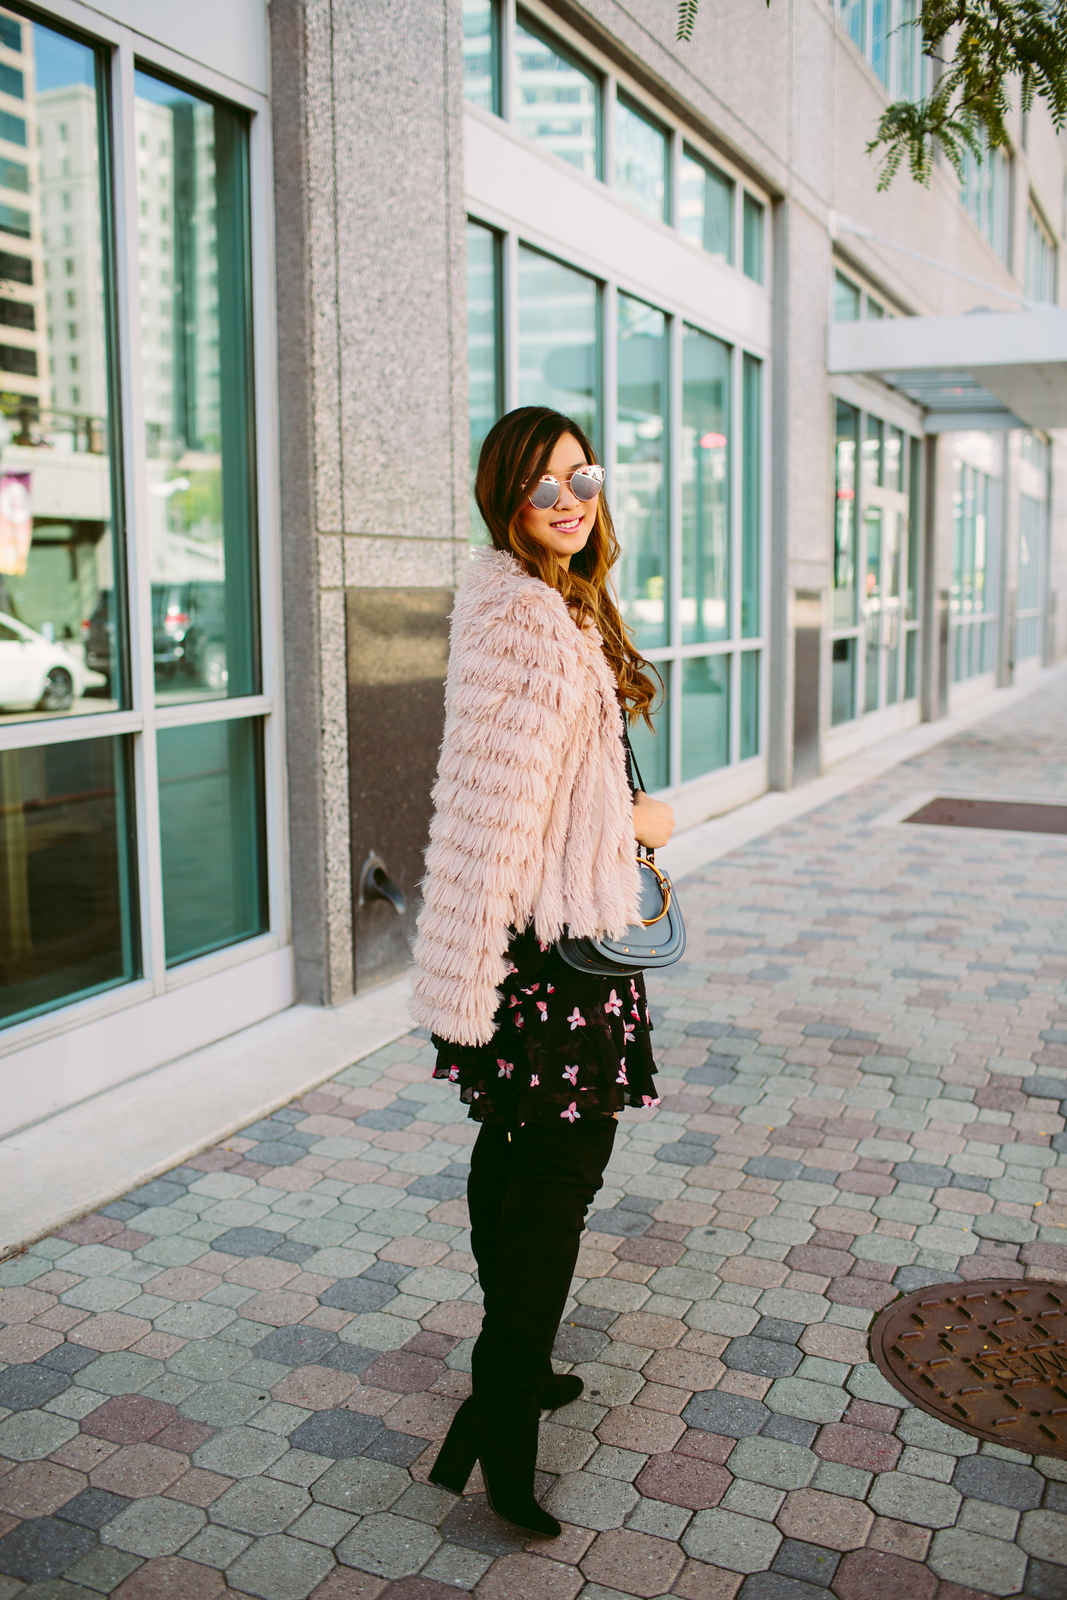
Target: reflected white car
x=35, y=673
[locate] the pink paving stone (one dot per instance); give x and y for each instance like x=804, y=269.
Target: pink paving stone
x=629, y=1272
x=525, y=1576
x=663, y=1397
x=633, y=1563
x=820, y=1261
x=882, y=1271
x=635, y=1428
x=684, y=1480
x=427, y=1416
x=113, y=1330
x=875, y=1575
x=184, y=1283
x=700, y=1581
x=172, y=1578
x=684, y=1369
x=982, y=1266
x=432, y=1344
x=841, y=1217
x=965, y=1200
x=278, y=1308
x=805, y=1282
x=89, y=1230
x=217, y=1261
x=128, y=1419
x=325, y=1126
x=826, y=1519
x=744, y=1383
x=199, y=1488
x=404, y=1372
x=37, y=1488
x=52, y=1283
x=900, y=1538
x=158, y=1345
x=128, y=1239
x=292, y=1179
x=683, y=1213
x=184, y=1436
x=834, y=1343
x=569, y=1548
x=82, y=1453
x=649, y=1331
x=372, y=1402
x=867, y=1448
x=865, y=1293
x=259, y=1272
x=411, y=1252
x=460, y=1317
x=315, y=1388
x=456, y=1384
x=23, y=1304
x=347, y=1584
x=329, y=1318
x=356, y=1171
x=865, y=1183
x=23, y=1342
x=139, y=1470
x=213, y=1160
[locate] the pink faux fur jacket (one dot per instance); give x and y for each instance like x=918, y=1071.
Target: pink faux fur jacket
x=534, y=820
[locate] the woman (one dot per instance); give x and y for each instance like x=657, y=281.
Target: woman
x=534, y=834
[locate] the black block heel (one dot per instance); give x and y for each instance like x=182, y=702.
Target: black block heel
x=456, y=1457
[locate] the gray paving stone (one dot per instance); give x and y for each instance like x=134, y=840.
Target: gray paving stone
x=358, y=1295
x=591, y=1500
x=992, y=1566
x=102, y=1570
x=982, y=1516
x=43, y=1548
x=734, y=1415
x=766, y=1358
x=400, y=1449
x=659, y=1519
x=930, y=1433
x=240, y=1452
x=335, y=1433
x=473, y=1526
x=982, y=1477
x=774, y=1462
x=222, y=1405
x=753, y=1500
x=800, y=1397
x=68, y=1358
x=727, y=1539
x=811, y=1563
x=457, y=1567
x=30, y=1435
x=792, y=1430
x=153, y=1527
x=216, y=1547
x=259, y=1506
x=776, y=1585
x=120, y=1372
x=245, y=1242
x=574, y=1343
x=93, y=1508
x=280, y=1568
x=361, y=1486
x=25, y=1386
x=921, y=1500
x=389, y=1546
x=323, y=1525
x=1044, y=1534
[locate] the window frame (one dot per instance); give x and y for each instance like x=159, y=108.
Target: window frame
x=126, y=50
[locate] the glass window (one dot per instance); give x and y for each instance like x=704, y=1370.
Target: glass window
x=559, y=343
x=911, y=591
x=1040, y=266
x=58, y=503
x=705, y=714
x=641, y=493
x=872, y=602
x=751, y=495
x=846, y=300
x=843, y=681
x=706, y=206
x=705, y=466
x=985, y=197
x=1030, y=600
x=894, y=460
x=196, y=339
x=749, y=704
x=752, y=223
x=641, y=161
x=875, y=312
x=845, y=516
x=873, y=459
x=484, y=375
x=481, y=54
x=66, y=873
x=211, y=831
x=971, y=604
x=557, y=101
x=653, y=749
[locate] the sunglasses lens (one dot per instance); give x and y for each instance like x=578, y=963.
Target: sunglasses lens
x=545, y=494
x=587, y=483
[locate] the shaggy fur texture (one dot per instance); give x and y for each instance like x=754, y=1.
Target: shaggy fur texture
x=534, y=821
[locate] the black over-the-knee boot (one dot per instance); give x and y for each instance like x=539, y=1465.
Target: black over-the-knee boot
x=492, y=1167
x=557, y=1170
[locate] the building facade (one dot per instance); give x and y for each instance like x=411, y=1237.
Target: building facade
x=269, y=274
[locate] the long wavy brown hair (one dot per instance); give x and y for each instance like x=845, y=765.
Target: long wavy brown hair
x=515, y=454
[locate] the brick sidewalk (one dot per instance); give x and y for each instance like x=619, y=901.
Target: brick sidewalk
x=235, y=1380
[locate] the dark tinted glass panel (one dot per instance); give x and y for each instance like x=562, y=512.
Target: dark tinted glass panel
x=192, y=172
x=66, y=890
x=58, y=566
x=211, y=826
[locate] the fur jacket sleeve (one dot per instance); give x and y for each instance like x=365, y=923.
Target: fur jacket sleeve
x=533, y=820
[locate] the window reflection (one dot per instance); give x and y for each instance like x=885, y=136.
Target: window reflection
x=195, y=302
x=65, y=874
x=641, y=160
x=485, y=400
x=559, y=358
x=481, y=84
x=752, y=225
x=705, y=714
x=59, y=641
x=705, y=488
x=641, y=497
x=706, y=206
x=845, y=516
x=557, y=102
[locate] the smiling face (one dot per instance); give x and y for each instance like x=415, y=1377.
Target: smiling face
x=566, y=527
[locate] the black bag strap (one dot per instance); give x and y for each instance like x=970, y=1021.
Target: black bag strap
x=631, y=761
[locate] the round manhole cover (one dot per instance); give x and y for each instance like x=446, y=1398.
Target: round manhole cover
x=989, y=1357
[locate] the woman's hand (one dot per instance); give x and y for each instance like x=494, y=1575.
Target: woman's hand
x=653, y=821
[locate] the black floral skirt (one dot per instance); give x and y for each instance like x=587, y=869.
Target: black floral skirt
x=568, y=1044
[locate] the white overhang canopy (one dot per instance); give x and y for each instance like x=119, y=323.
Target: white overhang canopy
x=985, y=369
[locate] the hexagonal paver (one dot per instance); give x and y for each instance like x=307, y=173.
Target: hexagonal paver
x=389, y=1546
x=153, y=1527
x=280, y=1568
x=635, y=1563
x=992, y=1566
x=728, y=1539
x=259, y=1506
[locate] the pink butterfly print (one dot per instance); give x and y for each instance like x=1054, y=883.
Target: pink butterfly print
x=506, y=1068
x=535, y=1082
x=532, y=989
x=650, y=1100
x=613, y=1005
x=453, y=1074
x=512, y=969
x=551, y=989
x=635, y=1013
x=542, y=1006
x=571, y=1075
x=520, y=1020
x=622, y=1078
x=513, y=1001
x=572, y=1113
x=576, y=1019
x=628, y=1031
x=633, y=987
